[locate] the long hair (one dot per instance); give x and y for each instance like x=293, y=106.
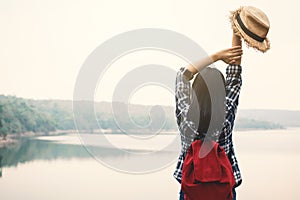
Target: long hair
x=208, y=101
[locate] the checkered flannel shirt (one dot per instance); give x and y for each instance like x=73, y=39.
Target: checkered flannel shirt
x=187, y=128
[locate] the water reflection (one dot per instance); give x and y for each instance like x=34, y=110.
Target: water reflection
x=52, y=147
x=29, y=149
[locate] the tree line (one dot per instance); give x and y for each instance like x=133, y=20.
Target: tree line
x=19, y=115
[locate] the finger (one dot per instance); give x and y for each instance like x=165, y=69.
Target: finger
x=232, y=62
x=236, y=47
x=236, y=50
x=237, y=53
x=236, y=57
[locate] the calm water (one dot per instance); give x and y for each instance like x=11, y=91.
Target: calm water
x=59, y=167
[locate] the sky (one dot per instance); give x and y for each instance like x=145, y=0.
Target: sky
x=45, y=43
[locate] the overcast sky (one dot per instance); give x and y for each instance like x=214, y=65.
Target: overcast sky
x=43, y=45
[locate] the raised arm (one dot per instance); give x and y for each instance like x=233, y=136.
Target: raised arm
x=183, y=102
x=233, y=87
x=229, y=56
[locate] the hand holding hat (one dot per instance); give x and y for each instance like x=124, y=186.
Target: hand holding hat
x=251, y=24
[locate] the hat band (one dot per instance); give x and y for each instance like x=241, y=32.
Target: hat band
x=247, y=31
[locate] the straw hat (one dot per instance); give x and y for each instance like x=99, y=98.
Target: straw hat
x=252, y=25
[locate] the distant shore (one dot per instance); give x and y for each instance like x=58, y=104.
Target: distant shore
x=11, y=139
x=7, y=141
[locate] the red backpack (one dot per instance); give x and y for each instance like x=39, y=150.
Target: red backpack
x=209, y=177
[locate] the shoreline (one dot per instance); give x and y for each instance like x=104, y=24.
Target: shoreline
x=14, y=138
x=8, y=141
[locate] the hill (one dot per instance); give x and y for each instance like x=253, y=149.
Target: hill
x=286, y=118
x=19, y=115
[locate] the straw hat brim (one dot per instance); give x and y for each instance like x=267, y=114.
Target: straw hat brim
x=261, y=46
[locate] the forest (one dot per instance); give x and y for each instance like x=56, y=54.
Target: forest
x=20, y=115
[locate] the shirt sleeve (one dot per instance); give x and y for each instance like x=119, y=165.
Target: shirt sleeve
x=233, y=86
x=183, y=102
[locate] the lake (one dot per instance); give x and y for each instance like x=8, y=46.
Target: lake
x=140, y=168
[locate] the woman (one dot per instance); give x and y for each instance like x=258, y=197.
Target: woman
x=190, y=129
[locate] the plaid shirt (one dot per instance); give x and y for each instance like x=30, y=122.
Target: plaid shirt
x=187, y=128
